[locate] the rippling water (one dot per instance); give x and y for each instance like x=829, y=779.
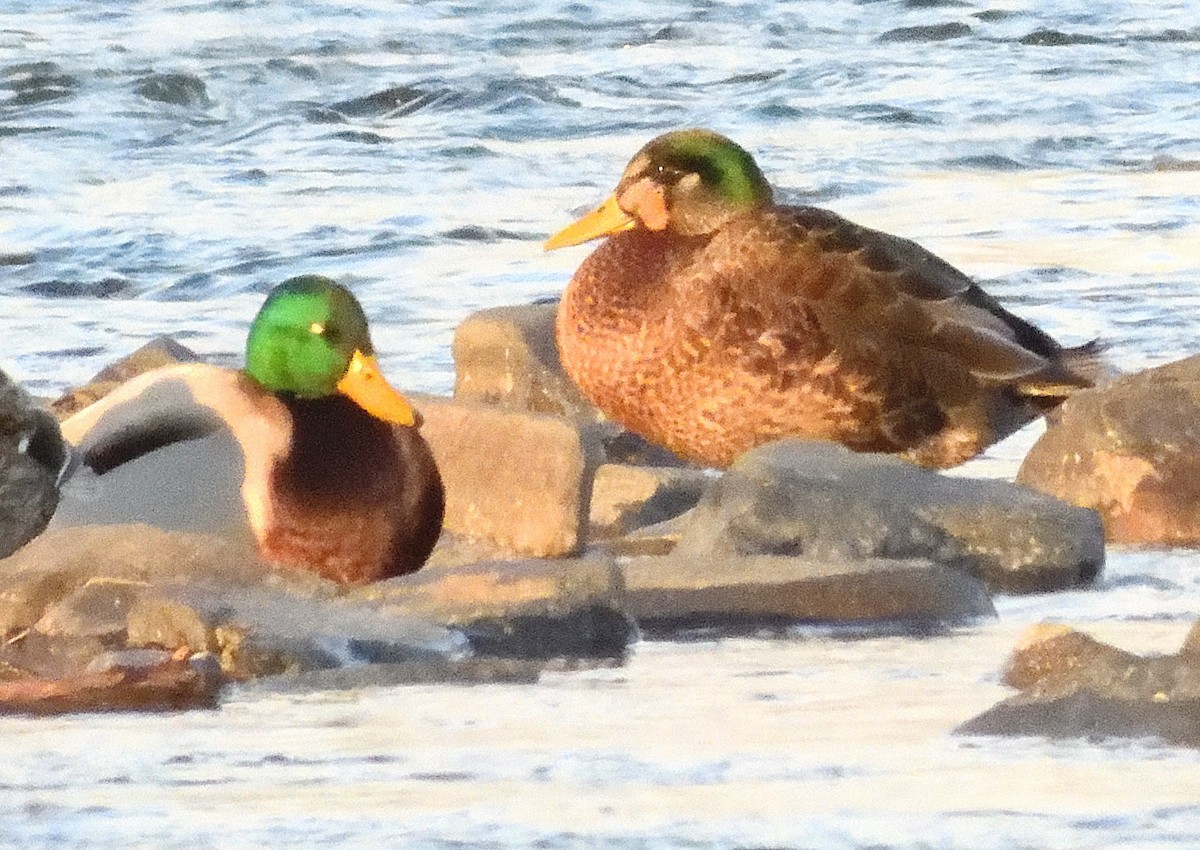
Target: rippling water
x=163, y=164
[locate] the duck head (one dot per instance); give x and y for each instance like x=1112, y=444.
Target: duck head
x=690, y=182
x=310, y=340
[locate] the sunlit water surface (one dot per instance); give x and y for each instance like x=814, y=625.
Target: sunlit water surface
x=1051, y=148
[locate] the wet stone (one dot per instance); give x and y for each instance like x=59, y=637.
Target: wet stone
x=32, y=653
x=160, y=622
x=99, y=608
x=161, y=351
x=533, y=608
x=1073, y=686
x=137, y=585
x=118, y=682
x=625, y=497
x=1131, y=451
x=519, y=480
x=820, y=500
x=686, y=592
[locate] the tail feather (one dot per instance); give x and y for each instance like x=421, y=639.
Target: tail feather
x=1089, y=362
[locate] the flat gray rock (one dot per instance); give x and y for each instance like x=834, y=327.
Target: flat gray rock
x=824, y=502
x=682, y=592
x=76, y=590
x=531, y=608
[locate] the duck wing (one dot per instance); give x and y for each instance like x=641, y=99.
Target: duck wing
x=916, y=300
x=153, y=452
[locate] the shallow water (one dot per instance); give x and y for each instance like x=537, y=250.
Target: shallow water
x=420, y=153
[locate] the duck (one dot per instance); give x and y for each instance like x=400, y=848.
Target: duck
x=712, y=319
x=307, y=454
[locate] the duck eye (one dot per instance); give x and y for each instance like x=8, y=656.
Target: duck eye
x=327, y=332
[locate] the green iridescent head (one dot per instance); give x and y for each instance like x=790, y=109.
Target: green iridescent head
x=310, y=340
x=689, y=182
x=702, y=164
x=304, y=336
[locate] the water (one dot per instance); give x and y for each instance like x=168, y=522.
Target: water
x=421, y=152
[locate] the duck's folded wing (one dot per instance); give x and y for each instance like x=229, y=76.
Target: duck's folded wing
x=151, y=452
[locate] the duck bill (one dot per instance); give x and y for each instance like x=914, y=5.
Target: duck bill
x=365, y=385
x=604, y=220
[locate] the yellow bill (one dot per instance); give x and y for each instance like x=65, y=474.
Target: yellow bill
x=606, y=219
x=365, y=385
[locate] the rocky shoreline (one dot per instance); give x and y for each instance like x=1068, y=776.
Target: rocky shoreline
x=566, y=539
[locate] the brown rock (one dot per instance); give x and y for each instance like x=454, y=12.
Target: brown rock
x=1075, y=686
x=98, y=608
x=520, y=480
x=172, y=685
x=1131, y=451
x=160, y=351
x=679, y=591
x=507, y=356
x=153, y=621
x=1049, y=652
x=23, y=598
x=625, y=498
x=31, y=653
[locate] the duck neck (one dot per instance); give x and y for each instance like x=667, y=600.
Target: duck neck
x=328, y=435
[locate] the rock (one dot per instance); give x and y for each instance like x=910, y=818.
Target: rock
x=34, y=654
x=77, y=591
x=33, y=458
x=683, y=592
x=508, y=357
x=471, y=670
x=625, y=497
x=1049, y=653
x=530, y=608
x=160, y=351
x=1130, y=450
x=820, y=500
x=160, y=622
x=1075, y=686
x=117, y=684
x=520, y=480
x=98, y=608
x=175, y=89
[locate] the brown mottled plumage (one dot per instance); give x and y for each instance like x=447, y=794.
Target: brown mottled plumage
x=712, y=320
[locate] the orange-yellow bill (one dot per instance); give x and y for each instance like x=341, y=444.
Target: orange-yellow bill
x=606, y=219
x=365, y=385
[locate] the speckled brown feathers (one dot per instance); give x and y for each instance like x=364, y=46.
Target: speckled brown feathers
x=791, y=321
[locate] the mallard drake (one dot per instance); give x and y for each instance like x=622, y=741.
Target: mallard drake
x=308, y=453
x=713, y=319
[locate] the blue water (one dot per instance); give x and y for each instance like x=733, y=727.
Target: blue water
x=163, y=164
